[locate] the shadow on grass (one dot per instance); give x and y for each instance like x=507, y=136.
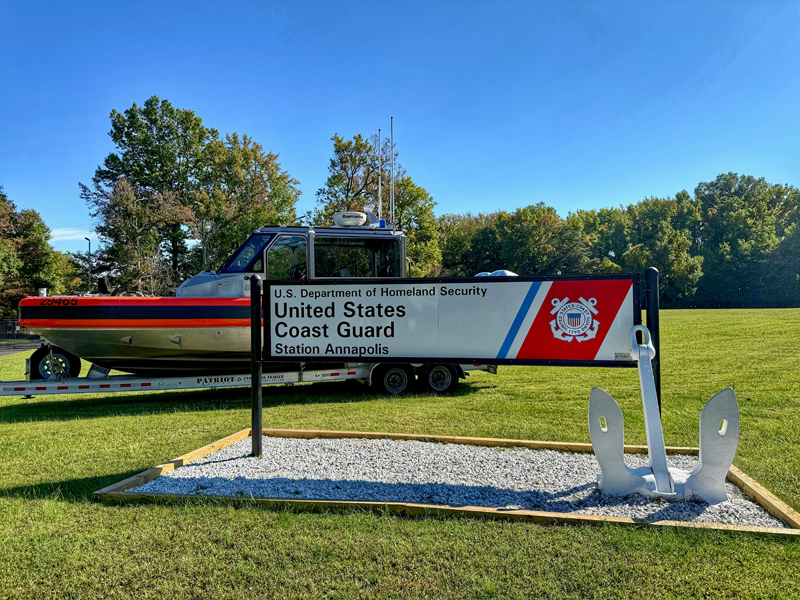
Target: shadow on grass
x=72, y=490
x=98, y=406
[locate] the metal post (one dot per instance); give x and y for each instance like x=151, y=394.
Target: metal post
x=255, y=362
x=391, y=193
x=89, y=289
x=652, y=308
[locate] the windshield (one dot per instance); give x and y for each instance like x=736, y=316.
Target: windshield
x=286, y=259
x=356, y=257
x=248, y=258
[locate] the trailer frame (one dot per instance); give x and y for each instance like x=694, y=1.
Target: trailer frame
x=98, y=381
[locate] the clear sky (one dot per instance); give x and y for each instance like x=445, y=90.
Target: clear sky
x=496, y=104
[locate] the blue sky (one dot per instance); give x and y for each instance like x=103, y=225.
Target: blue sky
x=496, y=104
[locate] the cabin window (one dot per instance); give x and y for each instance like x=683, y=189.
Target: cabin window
x=286, y=259
x=248, y=259
x=355, y=257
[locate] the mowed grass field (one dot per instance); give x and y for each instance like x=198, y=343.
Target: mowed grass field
x=57, y=542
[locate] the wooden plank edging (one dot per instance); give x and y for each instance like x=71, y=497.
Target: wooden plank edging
x=414, y=509
x=453, y=439
x=761, y=495
x=155, y=472
x=118, y=492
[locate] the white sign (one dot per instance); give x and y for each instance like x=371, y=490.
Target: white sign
x=481, y=320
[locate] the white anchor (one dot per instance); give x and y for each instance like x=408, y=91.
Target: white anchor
x=719, y=438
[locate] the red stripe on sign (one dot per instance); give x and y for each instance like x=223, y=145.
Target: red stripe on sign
x=124, y=385
x=62, y=387
x=334, y=374
x=542, y=343
x=40, y=388
x=83, y=387
x=145, y=385
x=351, y=372
x=105, y=385
x=19, y=389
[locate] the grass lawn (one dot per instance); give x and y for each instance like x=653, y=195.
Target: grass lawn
x=56, y=542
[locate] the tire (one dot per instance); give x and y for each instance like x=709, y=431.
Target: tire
x=40, y=363
x=393, y=379
x=440, y=379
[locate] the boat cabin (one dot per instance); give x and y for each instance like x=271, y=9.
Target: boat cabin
x=302, y=253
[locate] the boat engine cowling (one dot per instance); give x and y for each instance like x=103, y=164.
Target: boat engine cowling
x=207, y=284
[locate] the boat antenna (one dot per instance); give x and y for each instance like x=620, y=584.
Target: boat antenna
x=380, y=169
x=391, y=195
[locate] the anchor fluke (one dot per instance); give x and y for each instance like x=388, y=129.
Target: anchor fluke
x=719, y=438
x=606, y=429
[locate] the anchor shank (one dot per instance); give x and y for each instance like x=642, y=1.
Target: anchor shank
x=652, y=423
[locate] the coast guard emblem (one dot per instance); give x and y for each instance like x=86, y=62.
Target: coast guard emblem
x=574, y=320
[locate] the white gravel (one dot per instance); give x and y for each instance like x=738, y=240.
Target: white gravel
x=434, y=473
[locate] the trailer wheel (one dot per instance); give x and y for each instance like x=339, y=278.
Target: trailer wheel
x=42, y=369
x=393, y=379
x=440, y=379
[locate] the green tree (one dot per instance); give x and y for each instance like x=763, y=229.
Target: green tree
x=531, y=240
x=242, y=188
x=229, y=187
x=743, y=219
x=131, y=222
x=458, y=238
x=80, y=262
x=486, y=250
x=352, y=179
x=27, y=260
x=779, y=284
x=160, y=152
x=536, y=241
x=656, y=232
x=414, y=215
x=609, y=234
x=669, y=252
x=661, y=236
x=9, y=260
x=352, y=183
x=735, y=243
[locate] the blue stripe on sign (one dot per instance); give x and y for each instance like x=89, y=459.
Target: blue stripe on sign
x=523, y=311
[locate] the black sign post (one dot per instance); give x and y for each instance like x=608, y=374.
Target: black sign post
x=652, y=307
x=255, y=362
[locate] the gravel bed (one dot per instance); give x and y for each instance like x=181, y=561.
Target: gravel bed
x=434, y=473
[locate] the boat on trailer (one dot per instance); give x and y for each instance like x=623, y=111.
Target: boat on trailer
x=205, y=328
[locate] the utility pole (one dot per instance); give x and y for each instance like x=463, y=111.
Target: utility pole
x=89, y=289
x=391, y=192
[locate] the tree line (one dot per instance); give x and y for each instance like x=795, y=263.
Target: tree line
x=734, y=243
x=176, y=197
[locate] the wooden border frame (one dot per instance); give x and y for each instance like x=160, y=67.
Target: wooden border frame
x=118, y=492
